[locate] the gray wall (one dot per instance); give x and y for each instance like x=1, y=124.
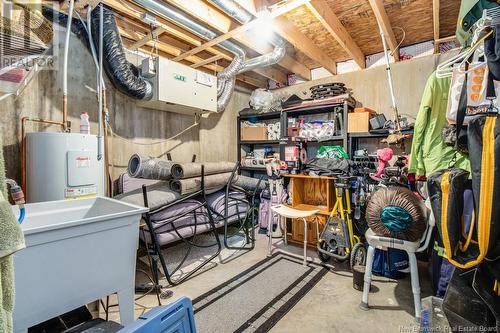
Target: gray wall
x=213, y=140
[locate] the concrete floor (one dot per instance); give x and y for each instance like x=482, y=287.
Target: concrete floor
x=331, y=306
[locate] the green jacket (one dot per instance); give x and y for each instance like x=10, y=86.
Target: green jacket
x=470, y=12
x=428, y=151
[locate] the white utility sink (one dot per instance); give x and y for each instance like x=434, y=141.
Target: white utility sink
x=77, y=251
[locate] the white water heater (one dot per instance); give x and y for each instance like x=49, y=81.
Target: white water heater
x=62, y=166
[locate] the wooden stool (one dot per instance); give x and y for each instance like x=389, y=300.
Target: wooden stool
x=292, y=213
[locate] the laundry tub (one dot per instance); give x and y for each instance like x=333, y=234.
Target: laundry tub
x=77, y=251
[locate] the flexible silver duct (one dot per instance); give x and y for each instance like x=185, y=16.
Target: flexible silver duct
x=234, y=10
x=266, y=59
x=240, y=14
x=223, y=99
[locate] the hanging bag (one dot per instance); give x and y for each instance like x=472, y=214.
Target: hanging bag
x=446, y=190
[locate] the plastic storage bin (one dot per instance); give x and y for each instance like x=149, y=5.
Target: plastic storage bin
x=175, y=317
x=77, y=251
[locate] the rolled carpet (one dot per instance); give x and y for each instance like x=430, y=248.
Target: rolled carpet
x=190, y=185
x=396, y=212
x=190, y=170
x=249, y=183
x=141, y=166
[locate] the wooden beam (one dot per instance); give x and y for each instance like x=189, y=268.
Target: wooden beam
x=301, y=42
x=252, y=81
x=331, y=22
x=272, y=74
x=150, y=36
x=206, y=61
x=291, y=5
x=385, y=25
x=435, y=15
x=219, y=21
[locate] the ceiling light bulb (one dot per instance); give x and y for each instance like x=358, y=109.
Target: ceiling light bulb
x=264, y=30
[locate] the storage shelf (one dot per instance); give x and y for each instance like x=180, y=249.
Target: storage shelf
x=260, y=142
x=375, y=135
x=322, y=209
x=247, y=168
x=315, y=109
x=333, y=138
x=261, y=116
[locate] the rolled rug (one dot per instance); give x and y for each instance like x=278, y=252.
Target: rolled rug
x=190, y=185
x=249, y=183
x=142, y=166
x=190, y=170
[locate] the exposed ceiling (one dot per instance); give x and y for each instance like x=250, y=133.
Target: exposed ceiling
x=319, y=33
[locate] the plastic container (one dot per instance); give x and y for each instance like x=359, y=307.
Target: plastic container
x=76, y=251
x=84, y=123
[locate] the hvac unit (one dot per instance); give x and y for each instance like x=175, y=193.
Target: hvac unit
x=62, y=166
x=179, y=88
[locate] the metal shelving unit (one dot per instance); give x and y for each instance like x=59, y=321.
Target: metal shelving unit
x=343, y=108
x=253, y=143
x=354, y=137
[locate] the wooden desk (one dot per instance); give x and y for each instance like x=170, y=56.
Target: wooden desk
x=310, y=192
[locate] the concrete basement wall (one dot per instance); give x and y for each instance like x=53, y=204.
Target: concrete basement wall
x=213, y=140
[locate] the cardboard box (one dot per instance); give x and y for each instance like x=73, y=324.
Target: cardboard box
x=358, y=122
x=363, y=109
x=253, y=133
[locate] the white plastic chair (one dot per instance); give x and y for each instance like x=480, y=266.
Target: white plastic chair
x=292, y=213
x=411, y=248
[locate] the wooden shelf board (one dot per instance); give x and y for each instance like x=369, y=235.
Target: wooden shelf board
x=289, y=175
x=260, y=142
x=323, y=210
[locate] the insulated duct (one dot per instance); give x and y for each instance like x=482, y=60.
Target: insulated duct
x=124, y=75
x=226, y=78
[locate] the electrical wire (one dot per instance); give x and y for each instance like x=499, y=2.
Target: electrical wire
x=402, y=39
x=113, y=133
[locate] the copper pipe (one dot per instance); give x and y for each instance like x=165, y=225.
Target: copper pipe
x=24, y=120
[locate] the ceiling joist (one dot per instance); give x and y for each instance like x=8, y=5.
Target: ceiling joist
x=385, y=25
x=206, y=61
x=242, y=28
x=224, y=24
x=332, y=24
x=150, y=36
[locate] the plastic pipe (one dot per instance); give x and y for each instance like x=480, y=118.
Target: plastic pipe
x=92, y=47
x=99, y=127
x=389, y=76
x=66, y=124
